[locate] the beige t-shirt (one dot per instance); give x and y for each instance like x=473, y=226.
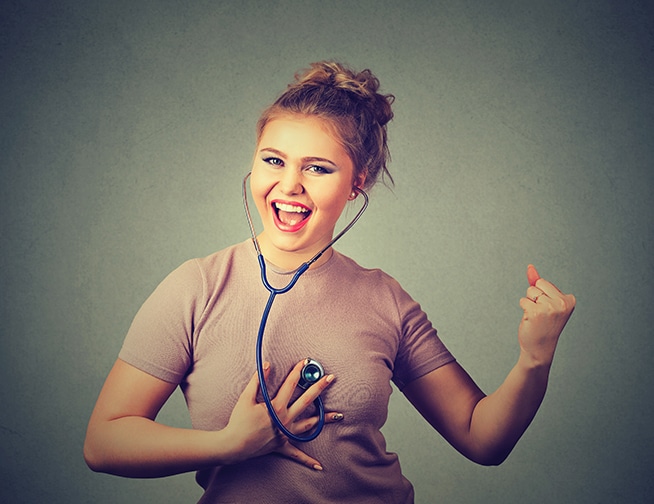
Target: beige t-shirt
x=199, y=329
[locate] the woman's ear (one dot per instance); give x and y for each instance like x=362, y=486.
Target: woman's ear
x=357, y=183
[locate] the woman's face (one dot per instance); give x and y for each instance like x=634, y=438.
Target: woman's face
x=301, y=180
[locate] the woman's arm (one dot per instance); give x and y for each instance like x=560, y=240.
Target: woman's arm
x=486, y=428
x=123, y=438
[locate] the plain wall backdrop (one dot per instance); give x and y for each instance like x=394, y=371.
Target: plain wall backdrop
x=523, y=133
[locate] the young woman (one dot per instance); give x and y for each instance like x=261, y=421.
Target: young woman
x=318, y=147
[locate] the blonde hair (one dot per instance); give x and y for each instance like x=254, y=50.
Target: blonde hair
x=350, y=102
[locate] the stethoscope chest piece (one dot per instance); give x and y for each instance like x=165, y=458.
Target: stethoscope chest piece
x=310, y=374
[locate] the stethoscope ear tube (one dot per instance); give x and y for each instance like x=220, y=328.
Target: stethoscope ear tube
x=264, y=317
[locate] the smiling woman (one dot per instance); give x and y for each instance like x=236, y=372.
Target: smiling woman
x=301, y=180
x=318, y=146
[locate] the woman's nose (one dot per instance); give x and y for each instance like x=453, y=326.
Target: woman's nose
x=291, y=181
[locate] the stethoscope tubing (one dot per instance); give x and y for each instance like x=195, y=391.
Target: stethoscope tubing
x=262, y=381
x=266, y=312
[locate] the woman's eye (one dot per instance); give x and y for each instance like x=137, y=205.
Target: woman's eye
x=273, y=161
x=319, y=169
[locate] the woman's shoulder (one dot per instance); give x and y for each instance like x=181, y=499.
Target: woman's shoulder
x=233, y=252
x=208, y=269
x=374, y=277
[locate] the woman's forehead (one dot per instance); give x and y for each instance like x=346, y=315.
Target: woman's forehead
x=300, y=133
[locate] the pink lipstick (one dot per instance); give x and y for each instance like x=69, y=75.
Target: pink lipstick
x=290, y=217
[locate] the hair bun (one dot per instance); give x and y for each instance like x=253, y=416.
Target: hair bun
x=364, y=85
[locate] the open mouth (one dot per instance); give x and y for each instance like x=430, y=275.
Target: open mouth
x=290, y=217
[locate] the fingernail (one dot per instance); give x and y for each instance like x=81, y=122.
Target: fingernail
x=317, y=467
x=266, y=366
x=337, y=416
x=330, y=378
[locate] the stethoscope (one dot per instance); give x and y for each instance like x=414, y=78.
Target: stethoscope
x=312, y=370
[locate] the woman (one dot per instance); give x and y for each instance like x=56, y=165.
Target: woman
x=318, y=146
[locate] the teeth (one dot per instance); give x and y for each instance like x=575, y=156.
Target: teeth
x=290, y=208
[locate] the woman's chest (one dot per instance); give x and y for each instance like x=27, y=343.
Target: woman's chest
x=357, y=346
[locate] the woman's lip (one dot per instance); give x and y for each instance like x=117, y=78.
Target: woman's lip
x=285, y=227
x=292, y=203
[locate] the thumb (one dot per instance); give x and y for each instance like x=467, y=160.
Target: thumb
x=532, y=275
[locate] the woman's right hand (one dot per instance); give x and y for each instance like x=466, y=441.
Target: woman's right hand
x=124, y=439
x=250, y=427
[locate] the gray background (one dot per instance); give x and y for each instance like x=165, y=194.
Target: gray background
x=523, y=133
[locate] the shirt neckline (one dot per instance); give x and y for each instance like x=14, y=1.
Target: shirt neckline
x=313, y=269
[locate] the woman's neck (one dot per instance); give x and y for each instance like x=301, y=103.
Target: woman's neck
x=290, y=260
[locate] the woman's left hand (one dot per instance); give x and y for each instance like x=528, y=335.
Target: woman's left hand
x=546, y=311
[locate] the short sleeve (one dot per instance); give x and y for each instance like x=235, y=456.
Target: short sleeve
x=420, y=350
x=160, y=338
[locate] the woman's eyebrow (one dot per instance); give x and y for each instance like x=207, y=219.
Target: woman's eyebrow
x=272, y=151
x=308, y=159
